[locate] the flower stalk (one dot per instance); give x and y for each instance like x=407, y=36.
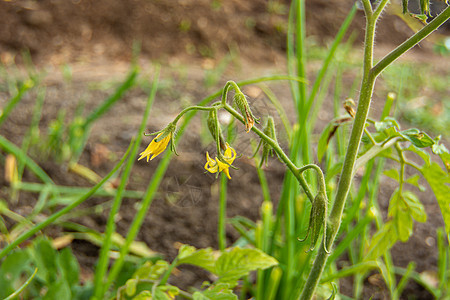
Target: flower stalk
x=367, y=85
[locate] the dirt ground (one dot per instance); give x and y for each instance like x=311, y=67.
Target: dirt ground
x=186, y=36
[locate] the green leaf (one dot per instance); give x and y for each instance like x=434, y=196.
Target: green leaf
x=203, y=258
x=151, y=271
x=418, y=138
x=388, y=122
x=415, y=206
x=10, y=271
x=69, y=266
x=166, y=292
x=220, y=291
x=439, y=181
x=44, y=258
x=392, y=173
x=401, y=217
x=414, y=180
x=237, y=262
x=382, y=241
x=144, y=295
x=58, y=290
x=443, y=153
x=18, y=291
x=421, y=153
x=130, y=286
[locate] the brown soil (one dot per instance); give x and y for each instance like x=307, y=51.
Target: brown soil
x=96, y=38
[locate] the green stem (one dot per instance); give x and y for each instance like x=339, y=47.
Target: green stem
x=368, y=82
x=15, y=100
x=169, y=271
x=278, y=150
x=349, y=161
x=228, y=85
x=412, y=41
x=187, y=109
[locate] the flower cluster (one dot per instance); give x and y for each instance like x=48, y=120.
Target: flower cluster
x=221, y=164
x=225, y=153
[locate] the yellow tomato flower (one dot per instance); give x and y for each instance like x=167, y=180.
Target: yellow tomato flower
x=156, y=147
x=216, y=165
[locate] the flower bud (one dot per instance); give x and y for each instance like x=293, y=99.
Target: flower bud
x=317, y=221
x=348, y=105
x=269, y=130
x=213, y=127
x=242, y=104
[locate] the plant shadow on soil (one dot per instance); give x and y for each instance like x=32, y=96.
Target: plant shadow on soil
x=96, y=42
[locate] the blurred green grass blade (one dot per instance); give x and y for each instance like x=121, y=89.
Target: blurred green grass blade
x=349, y=238
x=300, y=54
x=72, y=190
x=99, y=286
x=353, y=269
x=330, y=55
x=139, y=218
x=420, y=280
x=222, y=212
x=22, y=157
x=28, y=84
x=28, y=234
x=404, y=280
x=22, y=287
x=34, y=126
x=443, y=261
x=280, y=110
x=106, y=105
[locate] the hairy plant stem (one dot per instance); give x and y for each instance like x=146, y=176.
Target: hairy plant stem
x=291, y=166
x=367, y=85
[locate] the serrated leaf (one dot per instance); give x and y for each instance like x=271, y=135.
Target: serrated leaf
x=144, y=295
x=203, y=258
x=439, y=148
x=401, y=217
x=238, y=262
x=445, y=157
x=220, y=291
x=388, y=122
x=414, y=180
x=151, y=271
x=166, y=292
x=420, y=17
x=418, y=138
x=415, y=206
x=392, y=173
x=130, y=287
x=443, y=153
x=439, y=181
x=421, y=153
x=382, y=241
